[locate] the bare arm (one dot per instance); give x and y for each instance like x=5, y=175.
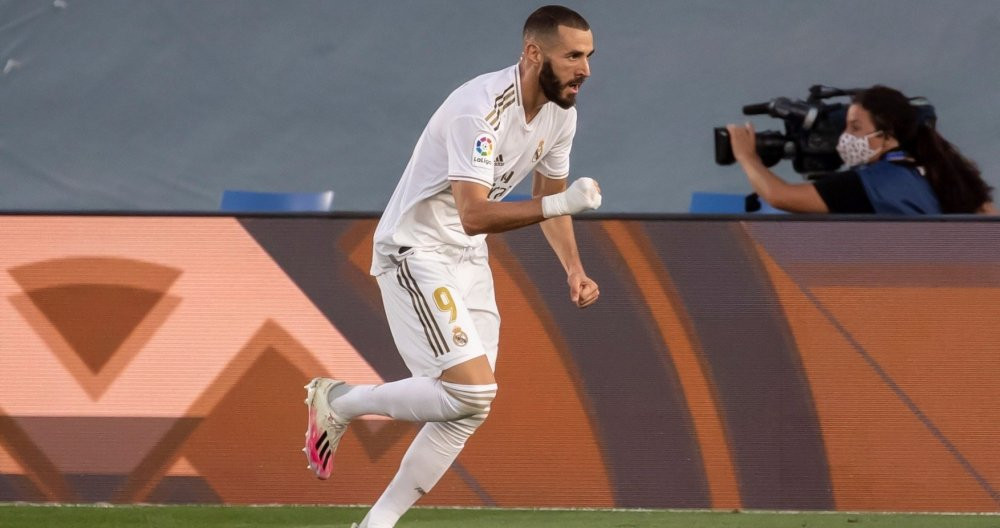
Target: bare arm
x=559, y=230
x=479, y=215
x=559, y=233
x=796, y=198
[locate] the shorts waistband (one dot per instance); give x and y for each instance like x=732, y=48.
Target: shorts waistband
x=460, y=253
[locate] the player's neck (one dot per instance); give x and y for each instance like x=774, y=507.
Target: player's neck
x=532, y=98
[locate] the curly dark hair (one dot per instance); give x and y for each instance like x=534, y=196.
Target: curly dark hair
x=956, y=180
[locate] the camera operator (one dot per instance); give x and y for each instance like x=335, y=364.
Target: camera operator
x=896, y=165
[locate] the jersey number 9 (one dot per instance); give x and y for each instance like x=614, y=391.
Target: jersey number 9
x=445, y=302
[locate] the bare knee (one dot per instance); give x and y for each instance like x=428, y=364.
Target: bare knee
x=475, y=371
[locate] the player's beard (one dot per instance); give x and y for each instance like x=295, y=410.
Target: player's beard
x=552, y=88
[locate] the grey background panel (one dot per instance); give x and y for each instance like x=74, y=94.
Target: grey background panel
x=163, y=104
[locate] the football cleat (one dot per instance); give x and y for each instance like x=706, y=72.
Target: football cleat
x=325, y=428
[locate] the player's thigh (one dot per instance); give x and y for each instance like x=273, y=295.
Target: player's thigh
x=481, y=301
x=428, y=315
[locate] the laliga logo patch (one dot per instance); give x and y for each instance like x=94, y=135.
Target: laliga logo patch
x=482, y=153
x=484, y=146
x=459, y=337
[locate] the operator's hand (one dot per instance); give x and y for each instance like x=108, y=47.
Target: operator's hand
x=583, y=195
x=582, y=290
x=744, y=142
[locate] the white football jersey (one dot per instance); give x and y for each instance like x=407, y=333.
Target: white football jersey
x=478, y=135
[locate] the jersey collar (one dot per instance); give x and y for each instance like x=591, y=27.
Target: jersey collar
x=519, y=101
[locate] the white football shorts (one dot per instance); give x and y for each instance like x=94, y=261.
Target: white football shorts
x=441, y=308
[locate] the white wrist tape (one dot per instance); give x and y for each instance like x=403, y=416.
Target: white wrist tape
x=582, y=195
x=554, y=205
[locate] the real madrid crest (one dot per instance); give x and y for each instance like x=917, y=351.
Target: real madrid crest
x=538, y=151
x=458, y=336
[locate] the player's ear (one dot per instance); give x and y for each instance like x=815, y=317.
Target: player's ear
x=532, y=52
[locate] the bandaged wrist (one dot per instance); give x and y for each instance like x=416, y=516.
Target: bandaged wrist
x=554, y=205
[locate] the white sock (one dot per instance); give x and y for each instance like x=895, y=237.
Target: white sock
x=431, y=454
x=418, y=399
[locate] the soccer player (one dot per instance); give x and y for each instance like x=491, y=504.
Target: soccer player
x=430, y=255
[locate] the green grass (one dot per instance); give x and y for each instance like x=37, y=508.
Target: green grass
x=14, y=516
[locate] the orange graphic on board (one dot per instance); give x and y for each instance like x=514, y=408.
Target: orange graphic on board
x=94, y=313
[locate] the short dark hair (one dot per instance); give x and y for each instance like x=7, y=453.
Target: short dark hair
x=545, y=21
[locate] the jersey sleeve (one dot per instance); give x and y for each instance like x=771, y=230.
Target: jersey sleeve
x=555, y=163
x=472, y=146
